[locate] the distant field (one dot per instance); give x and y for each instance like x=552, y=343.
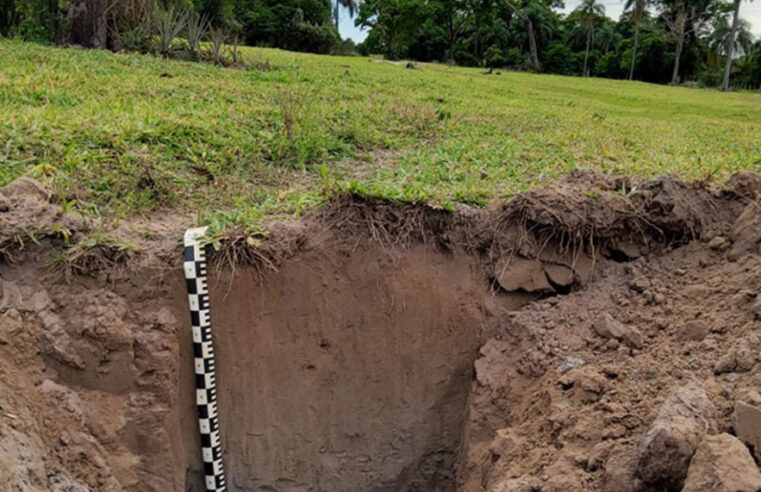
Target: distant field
x=121, y=134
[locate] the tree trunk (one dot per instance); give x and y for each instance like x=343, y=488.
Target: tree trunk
x=586, y=53
x=7, y=16
x=532, y=44
x=531, y=36
x=634, y=52
x=335, y=14
x=55, y=22
x=88, y=23
x=391, y=47
x=731, y=47
x=681, y=22
x=451, y=40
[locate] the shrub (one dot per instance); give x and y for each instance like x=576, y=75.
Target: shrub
x=197, y=27
x=168, y=25
x=217, y=39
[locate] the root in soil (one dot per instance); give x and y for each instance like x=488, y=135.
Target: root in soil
x=594, y=335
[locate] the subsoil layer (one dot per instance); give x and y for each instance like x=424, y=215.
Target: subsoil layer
x=595, y=335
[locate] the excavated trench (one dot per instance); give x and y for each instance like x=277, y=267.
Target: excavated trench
x=372, y=347
x=348, y=372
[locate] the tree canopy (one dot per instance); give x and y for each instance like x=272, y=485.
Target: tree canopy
x=664, y=41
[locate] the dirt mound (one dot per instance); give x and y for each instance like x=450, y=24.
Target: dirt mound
x=28, y=216
x=594, y=335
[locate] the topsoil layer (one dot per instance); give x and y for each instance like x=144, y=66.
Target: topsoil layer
x=595, y=335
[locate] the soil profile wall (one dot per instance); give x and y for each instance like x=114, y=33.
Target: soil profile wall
x=347, y=371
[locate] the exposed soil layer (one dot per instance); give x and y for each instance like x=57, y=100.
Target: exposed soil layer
x=594, y=335
x=348, y=371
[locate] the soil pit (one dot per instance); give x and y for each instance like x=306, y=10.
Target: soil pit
x=348, y=372
x=577, y=338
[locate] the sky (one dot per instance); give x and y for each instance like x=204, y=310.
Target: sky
x=749, y=11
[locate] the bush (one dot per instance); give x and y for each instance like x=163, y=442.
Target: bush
x=311, y=38
x=559, y=59
x=347, y=47
x=34, y=20
x=613, y=66
x=493, y=57
x=515, y=58
x=711, y=78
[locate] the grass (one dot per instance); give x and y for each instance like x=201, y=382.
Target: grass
x=120, y=134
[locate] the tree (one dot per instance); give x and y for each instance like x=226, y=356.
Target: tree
x=590, y=11
x=455, y=14
x=682, y=17
x=299, y=25
x=719, y=38
x=606, y=36
x=351, y=5
x=529, y=30
x=88, y=22
x=9, y=16
x=219, y=12
x=731, y=45
x=638, y=8
x=394, y=20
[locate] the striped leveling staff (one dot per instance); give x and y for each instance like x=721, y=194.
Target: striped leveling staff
x=203, y=353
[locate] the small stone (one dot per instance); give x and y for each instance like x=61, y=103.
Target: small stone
x=612, y=344
x=748, y=421
x=639, y=284
x=615, y=431
x=559, y=275
x=607, y=327
x=629, y=249
x=722, y=464
x=523, y=274
x=693, y=331
x=736, y=360
x=570, y=363
x=732, y=377
x=718, y=243
x=666, y=449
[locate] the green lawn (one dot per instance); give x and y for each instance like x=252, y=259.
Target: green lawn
x=122, y=134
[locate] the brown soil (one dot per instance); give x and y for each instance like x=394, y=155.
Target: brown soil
x=581, y=337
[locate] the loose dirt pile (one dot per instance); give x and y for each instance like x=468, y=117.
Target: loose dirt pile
x=595, y=335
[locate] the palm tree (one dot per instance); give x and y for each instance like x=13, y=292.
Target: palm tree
x=637, y=9
x=351, y=5
x=590, y=11
x=731, y=46
x=606, y=37
x=718, y=40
